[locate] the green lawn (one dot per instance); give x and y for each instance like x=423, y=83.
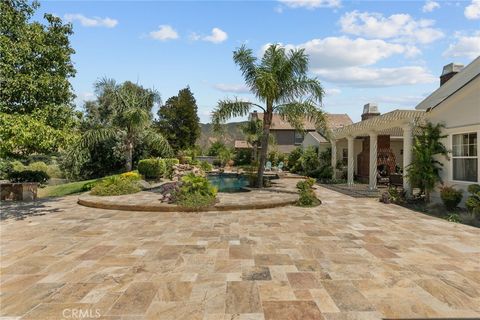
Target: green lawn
x=62, y=189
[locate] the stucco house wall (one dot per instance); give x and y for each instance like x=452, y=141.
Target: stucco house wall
x=461, y=114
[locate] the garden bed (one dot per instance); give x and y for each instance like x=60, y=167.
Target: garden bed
x=149, y=201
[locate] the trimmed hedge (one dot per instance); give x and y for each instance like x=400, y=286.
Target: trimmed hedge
x=28, y=176
x=151, y=168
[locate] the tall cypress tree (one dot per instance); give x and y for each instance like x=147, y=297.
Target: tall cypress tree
x=178, y=120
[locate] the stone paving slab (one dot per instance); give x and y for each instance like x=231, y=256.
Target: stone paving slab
x=346, y=259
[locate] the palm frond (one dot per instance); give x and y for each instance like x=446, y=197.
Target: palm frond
x=296, y=112
x=135, y=118
x=158, y=142
x=227, y=109
x=246, y=60
x=94, y=136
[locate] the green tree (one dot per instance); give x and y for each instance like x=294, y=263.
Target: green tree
x=178, y=121
x=424, y=171
x=126, y=114
x=35, y=59
x=279, y=80
x=36, y=114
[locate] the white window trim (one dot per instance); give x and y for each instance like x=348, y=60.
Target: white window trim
x=450, y=138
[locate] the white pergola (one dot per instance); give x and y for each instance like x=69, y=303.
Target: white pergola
x=394, y=123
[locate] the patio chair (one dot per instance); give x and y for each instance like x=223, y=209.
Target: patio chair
x=396, y=180
x=268, y=166
x=280, y=166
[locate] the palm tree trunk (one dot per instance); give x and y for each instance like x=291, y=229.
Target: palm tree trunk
x=129, y=156
x=255, y=151
x=267, y=119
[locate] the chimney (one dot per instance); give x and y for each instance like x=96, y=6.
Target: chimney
x=254, y=115
x=370, y=110
x=449, y=71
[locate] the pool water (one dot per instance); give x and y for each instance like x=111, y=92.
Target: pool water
x=229, y=182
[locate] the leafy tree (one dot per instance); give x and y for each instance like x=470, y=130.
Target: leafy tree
x=35, y=94
x=279, y=80
x=35, y=59
x=424, y=171
x=125, y=113
x=26, y=134
x=178, y=121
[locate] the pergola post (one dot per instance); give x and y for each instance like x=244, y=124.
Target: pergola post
x=407, y=156
x=372, y=179
x=333, y=144
x=350, y=161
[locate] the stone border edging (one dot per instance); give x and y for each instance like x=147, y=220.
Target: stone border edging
x=174, y=208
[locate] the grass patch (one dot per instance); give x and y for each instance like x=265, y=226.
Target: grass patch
x=63, y=189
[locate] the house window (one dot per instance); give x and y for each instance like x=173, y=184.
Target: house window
x=344, y=157
x=465, y=157
x=298, y=138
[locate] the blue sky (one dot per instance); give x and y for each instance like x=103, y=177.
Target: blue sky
x=388, y=52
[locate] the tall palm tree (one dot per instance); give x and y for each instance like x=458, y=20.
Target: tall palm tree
x=279, y=80
x=130, y=118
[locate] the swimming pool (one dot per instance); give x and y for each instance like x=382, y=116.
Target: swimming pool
x=229, y=182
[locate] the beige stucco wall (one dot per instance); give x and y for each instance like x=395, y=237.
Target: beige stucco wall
x=461, y=114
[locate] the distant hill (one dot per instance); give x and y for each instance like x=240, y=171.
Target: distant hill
x=231, y=133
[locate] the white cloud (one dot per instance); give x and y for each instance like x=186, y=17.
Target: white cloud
x=91, y=22
x=217, y=36
x=399, y=27
x=340, y=52
x=430, y=5
x=376, y=77
x=465, y=46
x=164, y=33
x=236, y=88
x=311, y=4
x=472, y=11
x=332, y=91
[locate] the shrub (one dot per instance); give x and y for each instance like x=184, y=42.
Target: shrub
x=132, y=175
x=40, y=177
x=243, y=157
x=309, y=160
x=88, y=186
x=6, y=168
x=53, y=170
x=450, y=196
x=294, y=164
x=307, y=195
x=115, y=185
x=151, y=168
x=453, y=217
x=195, y=192
x=393, y=195
x=169, y=163
x=195, y=201
x=206, y=166
x=473, y=201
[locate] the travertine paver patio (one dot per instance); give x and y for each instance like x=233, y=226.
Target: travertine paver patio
x=347, y=259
